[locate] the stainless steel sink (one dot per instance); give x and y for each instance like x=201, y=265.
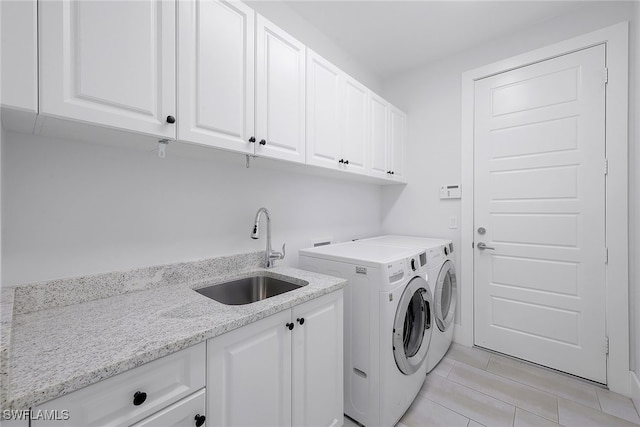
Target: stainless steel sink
x=247, y=290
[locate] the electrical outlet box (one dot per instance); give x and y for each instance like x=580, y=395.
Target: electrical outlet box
x=453, y=191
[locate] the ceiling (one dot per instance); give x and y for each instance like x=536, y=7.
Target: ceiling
x=391, y=36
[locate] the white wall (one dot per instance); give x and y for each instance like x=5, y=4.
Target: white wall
x=431, y=96
x=283, y=16
x=75, y=208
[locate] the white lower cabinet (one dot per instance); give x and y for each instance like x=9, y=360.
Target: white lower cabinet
x=280, y=371
x=131, y=396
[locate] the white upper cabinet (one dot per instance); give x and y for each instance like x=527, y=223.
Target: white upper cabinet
x=216, y=74
x=19, y=50
x=388, y=140
x=324, y=112
x=355, y=136
x=280, y=93
x=336, y=117
x=380, y=166
x=110, y=62
x=397, y=143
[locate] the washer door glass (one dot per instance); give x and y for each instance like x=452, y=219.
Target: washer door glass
x=446, y=295
x=412, y=326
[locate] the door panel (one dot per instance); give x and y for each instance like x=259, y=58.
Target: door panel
x=540, y=192
x=355, y=139
x=111, y=63
x=280, y=93
x=216, y=68
x=398, y=123
x=324, y=88
x=318, y=362
x=379, y=136
x=251, y=364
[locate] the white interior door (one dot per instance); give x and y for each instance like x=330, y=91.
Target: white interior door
x=540, y=195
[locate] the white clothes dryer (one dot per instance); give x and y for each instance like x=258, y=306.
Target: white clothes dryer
x=387, y=321
x=443, y=285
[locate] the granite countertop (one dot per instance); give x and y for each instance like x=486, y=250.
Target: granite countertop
x=61, y=348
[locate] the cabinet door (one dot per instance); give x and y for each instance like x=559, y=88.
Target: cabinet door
x=318, y=362
x=280, y=93
x=19, y=50
x=183, y=413
x=324, y=101
x=249, y=375
x=109, y=62
x=355, y=138
x=379, y=137
x=397, y=143
x=216, y=69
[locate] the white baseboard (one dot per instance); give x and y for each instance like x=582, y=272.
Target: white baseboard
x=634, y=388
x=462, y=336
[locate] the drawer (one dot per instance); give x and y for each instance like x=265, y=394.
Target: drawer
x=111, y=402
x=187, y=412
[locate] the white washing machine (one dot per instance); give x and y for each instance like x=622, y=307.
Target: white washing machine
x=443, y=285
x=387, y=321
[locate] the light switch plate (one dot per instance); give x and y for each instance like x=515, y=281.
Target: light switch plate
x=453, y=222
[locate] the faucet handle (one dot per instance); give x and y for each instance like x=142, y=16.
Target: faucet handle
x=278, y=255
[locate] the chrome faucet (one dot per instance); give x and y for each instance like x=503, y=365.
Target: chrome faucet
x=270, y=255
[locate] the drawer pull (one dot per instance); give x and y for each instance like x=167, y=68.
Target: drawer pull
x=200, y=420
x=139, y=397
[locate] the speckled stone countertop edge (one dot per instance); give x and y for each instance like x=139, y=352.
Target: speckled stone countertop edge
x=318, y=285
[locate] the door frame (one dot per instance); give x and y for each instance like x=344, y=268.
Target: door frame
x=616, y=40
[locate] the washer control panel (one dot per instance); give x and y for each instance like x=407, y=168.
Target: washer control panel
x=400, y=269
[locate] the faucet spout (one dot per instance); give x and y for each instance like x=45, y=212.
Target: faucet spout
x=270, y=255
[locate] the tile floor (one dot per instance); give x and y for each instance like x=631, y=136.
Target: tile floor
x=472, y=387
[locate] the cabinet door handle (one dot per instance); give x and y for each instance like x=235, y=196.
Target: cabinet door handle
x=139, y=397
x=252, y=139
x=341, y=161
x=200, y=420
x=263, y=142
x=346, y=162
x=301, y=320
x=290, y=326
x=171, y=120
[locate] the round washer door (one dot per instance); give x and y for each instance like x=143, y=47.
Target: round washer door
x=446, y=295
x=412, y=326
